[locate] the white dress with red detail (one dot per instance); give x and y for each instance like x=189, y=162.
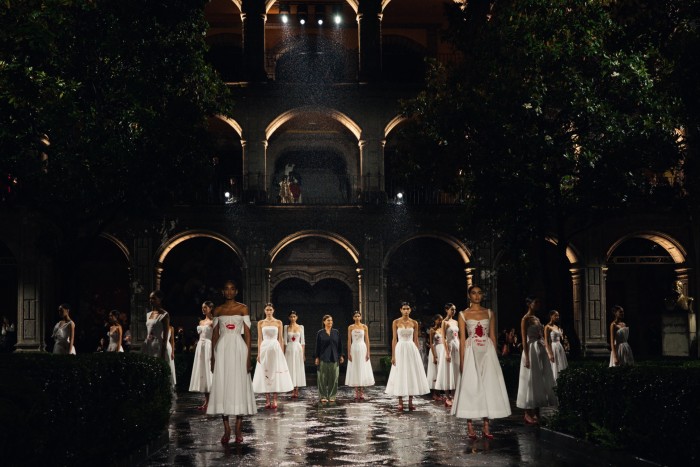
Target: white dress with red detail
x=271, y=372
x=231, y=388
x=407, y=376
x=432, y=366
x=481, y=391
x=200, y=381
x=359, y=372
x=448, y=372
x=294, y=354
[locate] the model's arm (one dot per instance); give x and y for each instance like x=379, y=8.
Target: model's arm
x=416, y=331
x=340, y=348
x=119, y=338
x=523, y=333
x=172, y=343
x=302, y=341
x=259, y=338
x=280, y=335
x=462, y=341
x=393, y=343
x=366, y=341
x=349, y=343
x=431, y=342
x=448, y=354
x=613, y=344
x=166, y=333
x=547, y=331
x=317, y=350
x=246, y=336
x=214, y=340
x=72, y=336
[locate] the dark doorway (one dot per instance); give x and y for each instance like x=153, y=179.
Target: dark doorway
x=195, y=271
x=428, y=273
x=327, y=297
x=8, y=297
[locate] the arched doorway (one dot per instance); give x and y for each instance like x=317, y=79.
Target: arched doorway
x=641, y=277
x=227, y=178
x=102, y=285
x=312, y=302
x=194, y=268
x=8, y=297
x=427, y=272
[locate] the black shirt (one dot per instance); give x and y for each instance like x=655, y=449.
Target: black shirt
x=329, y=348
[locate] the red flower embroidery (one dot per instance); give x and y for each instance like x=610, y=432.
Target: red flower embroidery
x=231, y=326
x=294, y=338
x=479, y=331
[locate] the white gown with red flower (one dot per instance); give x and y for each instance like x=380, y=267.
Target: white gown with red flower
x=271, y=372
x=294, y=354
x=231, y=387
x=359, y=372
x=481, y=391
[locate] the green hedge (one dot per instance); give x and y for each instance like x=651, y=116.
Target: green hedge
x=651, y=410
x=90, y=409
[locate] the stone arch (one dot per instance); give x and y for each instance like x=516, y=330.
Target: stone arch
x=459, y=246
x=338, y=239
x=167, y=247
x=119, y=244
x=572, y=253
x=336, y=115
x=668, y=243
x=314, y=279
x=393, y=123
x=235, y=126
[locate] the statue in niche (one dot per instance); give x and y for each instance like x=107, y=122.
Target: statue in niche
x=679, y=301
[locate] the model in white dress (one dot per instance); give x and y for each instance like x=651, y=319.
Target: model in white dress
x=359, y=373
x=481, y=392
x=555, y=336
x=157, y=326
x=536, y=382
x=448, y=365
x=200, y=381
x=61, y=335
x=433, y=359
x=115, y=341
x=294, y=354
x=271, y=372
x=407, y=377
x=621, y=353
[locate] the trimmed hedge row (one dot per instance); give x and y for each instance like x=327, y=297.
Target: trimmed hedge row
x=89, y=409
x=651, y=410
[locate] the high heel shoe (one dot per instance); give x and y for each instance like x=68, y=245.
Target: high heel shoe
x=529, y=420
x=448, y=402
x=470, y=431
x=225, y=439
x=486, y=435
x=239, y=439
x=274, y=406
x=400, y=407
x=411, y=407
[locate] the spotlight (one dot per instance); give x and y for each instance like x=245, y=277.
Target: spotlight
x=399, y=197
x=227, y=195
x=302, y=13
x=320, y=13
x=284, y=12
x=337, y=14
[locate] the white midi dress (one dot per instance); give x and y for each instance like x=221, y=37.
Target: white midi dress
x=432, y=366
x=154, y=335
x=200, y=381
x=294, y=354
x=231, y=388
x=114, y=342
x=407, y=377
x=560, y=363
x=624, y=351
x=359, y=372
x=481, y=391
x=271, y=372
x=61, y=335
x=448, y=372
x=536, y=384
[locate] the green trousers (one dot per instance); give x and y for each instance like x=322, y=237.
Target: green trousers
x=327, y=380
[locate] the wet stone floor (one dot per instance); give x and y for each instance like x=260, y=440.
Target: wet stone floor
x=370, y=432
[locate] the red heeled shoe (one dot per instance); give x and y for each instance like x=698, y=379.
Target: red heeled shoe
x=225, y=439
x=239, y=439
x=448, y=402
x=411, y=407
x=400, y=407
x=274, y=406
x=529, y=420
x=486, y=435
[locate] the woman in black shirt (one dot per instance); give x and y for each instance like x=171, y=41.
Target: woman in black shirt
x=328, y=354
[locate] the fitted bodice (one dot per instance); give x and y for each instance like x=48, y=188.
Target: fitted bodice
x=555, y=336
x=232, y=324
x=61, y=332
x=622, y=335
x=205, y=332
x=113, y=337
x=478, y=328
x=405, y=334
x=269, y=332
x=154, y=327
x=437, y=339
x=452, y=333
x=358, y=335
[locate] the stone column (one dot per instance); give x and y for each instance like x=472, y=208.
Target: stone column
x=594, y=339
x=142, y=284
x=34, y=304
x=369, y=29
x=682, y=276
x=371, y=182
x=577, y=295
x=257, y=281
x=374, y=308
x=255, y=171
x=253, y=18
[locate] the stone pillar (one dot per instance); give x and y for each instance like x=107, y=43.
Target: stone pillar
x=369, y=29
x=576, y=285
x=360, y=292
x=253, y=18
x=374, y=308
x=255, y=170
x=682, y=276
x=34, y=304
x=594, y=339
x=371, y=182
x=257, y=281
x=143, y=282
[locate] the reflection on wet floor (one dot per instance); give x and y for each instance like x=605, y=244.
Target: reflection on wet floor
x=371, y=432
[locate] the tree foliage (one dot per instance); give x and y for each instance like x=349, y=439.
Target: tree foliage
x=104, y=107
x=557, y=117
